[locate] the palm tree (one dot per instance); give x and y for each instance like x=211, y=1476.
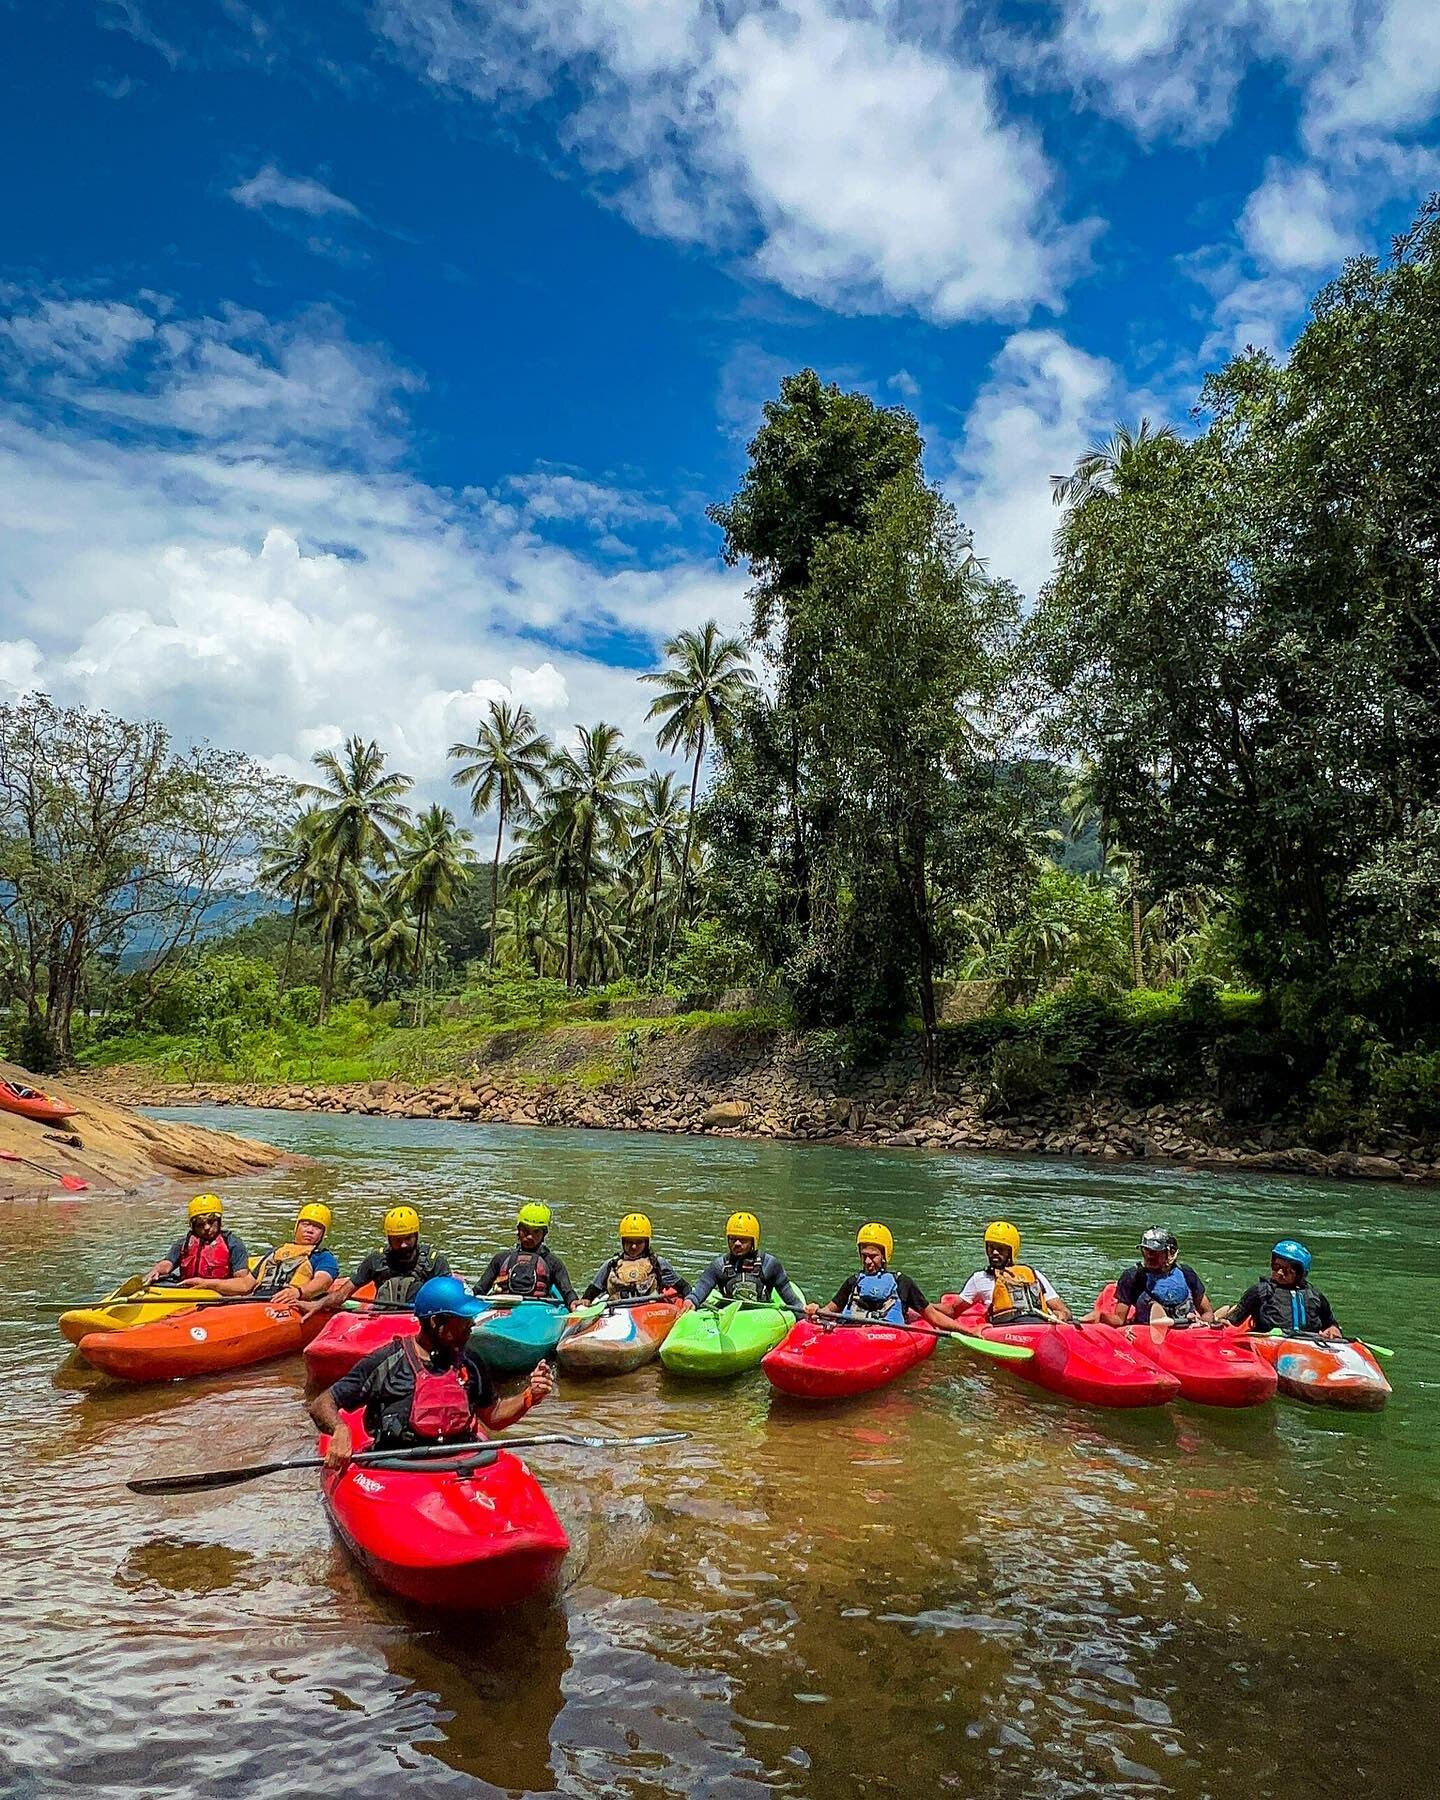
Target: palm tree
x=1085, y=805
x=593, y=792
x=698, y=700
x=434, y=855
x=657, y=833
x=1103, y=467
x=344, y=898
x=544, y=865
x=391, y=936
x=291, y=866
x=504, y=767
x=360, y=809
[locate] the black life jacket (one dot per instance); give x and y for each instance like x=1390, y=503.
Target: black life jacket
x=1286, y=1309
x=743, y=1280
x=404, y=1284
x=526, y=1273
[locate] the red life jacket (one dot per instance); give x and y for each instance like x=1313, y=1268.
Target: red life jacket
x=440, y=1405
x=527, y=1273
x=205, y=1262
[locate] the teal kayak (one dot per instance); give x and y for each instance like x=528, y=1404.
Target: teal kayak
x=514, y=1338
x=702, y=1347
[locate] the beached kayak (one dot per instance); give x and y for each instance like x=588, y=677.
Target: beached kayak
x=700, y=1346
x=621, y=1339
x=1325, y=1371
x=1089, y=1364
x=464, y=1542
x=30, y=1103
x=512, y=1339
x=122, y=1312
x=206, y=1340
x=831, y=1362
x=1214, y=1366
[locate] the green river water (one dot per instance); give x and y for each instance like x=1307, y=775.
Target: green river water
x=957, y=1584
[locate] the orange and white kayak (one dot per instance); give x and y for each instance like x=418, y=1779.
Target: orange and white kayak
x=206, y=1340
x=1325, y=1371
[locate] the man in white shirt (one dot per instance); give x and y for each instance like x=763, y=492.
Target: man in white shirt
x=1002, y=1246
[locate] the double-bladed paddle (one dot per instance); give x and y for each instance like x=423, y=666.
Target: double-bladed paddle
x=982, y=1346
x=1315, y=1337
x=71, y=1183
x=223, y=1478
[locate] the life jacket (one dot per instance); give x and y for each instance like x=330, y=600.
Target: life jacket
x=877, y=1298
x=1171, y=1293
x=440, y=1406
x=743, y=1280
x=200, y=1261
x=1286, y=1309
x=631, y=1278
x=405, y=1284
x=525, y=1272
x=1017, y=1294
x=289, y=1266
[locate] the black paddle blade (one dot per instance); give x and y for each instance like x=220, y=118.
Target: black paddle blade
x=215, y=1478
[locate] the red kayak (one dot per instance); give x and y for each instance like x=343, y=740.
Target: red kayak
x=462, y=1541
x=1214, y=1366
x=30, y=1103
x=1091, y=1365
x=349, y=1336
x=830, y=1362
x=204, y=1341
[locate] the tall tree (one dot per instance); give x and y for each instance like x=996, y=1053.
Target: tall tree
x=594, y=789
x=505, y=767
x=659, y=840
x=291, y=866
x=699, y=699
x=361, y=808
x=432, y=860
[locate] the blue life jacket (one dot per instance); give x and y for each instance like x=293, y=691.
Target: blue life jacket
x=877, y=1297
x=1170, y=1291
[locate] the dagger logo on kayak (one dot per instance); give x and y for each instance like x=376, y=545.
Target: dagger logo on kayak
x=199, y=1333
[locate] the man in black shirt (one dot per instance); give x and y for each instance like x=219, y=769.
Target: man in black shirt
x=427, y=1389
x=398, y=1272
x=531, y=1270
x=1159, y=1282
x=1285, y=1301
x=874, y=1293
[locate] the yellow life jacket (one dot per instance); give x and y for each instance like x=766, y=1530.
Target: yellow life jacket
x=288, y=1266
x=630, y=1278
x=1018, y=1294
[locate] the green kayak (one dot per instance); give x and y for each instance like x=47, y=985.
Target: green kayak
x=700, y=1345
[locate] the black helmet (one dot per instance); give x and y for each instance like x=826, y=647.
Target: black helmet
x=1156, y=1237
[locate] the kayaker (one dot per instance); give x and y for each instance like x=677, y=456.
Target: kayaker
x=398, y=1271
x=208, y=1255
x=876, y=1294
x=1285, y=1300
x=301, y=1269
x=426, y=1389
x=1160, y=1280
x=743, y=1273
x=1024, y=1291
x=532, y=1269
x=637, y=1273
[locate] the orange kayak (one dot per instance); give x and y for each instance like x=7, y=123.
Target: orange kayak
x=204, y=1341
x=1324, y=1371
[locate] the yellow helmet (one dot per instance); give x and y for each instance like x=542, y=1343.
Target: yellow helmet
x=316, y=1212
x=1001, y=1231
x=743, y=1224
x=533, y=1214
x=206, y=1206
x=635, y=1225
x=876, y=1234
x=400, y=1221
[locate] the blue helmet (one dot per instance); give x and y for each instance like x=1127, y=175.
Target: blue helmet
x=446, y=1294
x=1289, y=1251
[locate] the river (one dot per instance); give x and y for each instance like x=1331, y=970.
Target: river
x=957, y=1584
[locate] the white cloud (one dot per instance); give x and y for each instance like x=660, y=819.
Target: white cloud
x=269, y=186
x=553, y=495
x=79, y=336
x=276, y=595
x=904, y=384
x=863, y=168
x=1290, y=221
x=1041, y=407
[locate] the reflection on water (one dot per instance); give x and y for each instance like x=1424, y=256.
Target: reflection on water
x=958, y=1583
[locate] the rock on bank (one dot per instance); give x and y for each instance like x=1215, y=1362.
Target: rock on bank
x=110, y=1146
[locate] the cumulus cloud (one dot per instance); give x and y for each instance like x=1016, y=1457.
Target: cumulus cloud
x=1042, y=405
x=860, y=167
x=269, y=186
x=277, y=592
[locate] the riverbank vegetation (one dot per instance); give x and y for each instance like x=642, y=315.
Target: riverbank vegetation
x=1175, y=827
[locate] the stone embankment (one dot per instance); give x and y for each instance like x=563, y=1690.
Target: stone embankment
x=741, y=1090
x=108, y=1146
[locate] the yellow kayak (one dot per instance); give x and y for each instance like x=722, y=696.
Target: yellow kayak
x=130, y=1305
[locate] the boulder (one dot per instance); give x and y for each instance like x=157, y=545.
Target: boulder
x=725, y=1115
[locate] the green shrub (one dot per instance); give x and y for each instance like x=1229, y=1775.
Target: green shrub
x=1407, y=1091
x=1021, y=1073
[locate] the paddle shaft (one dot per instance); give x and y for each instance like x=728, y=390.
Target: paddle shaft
x=72, y=1182
x=1001, y=1352
x=1315, y=1337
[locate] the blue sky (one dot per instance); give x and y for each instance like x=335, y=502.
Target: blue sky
x=363, y=363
